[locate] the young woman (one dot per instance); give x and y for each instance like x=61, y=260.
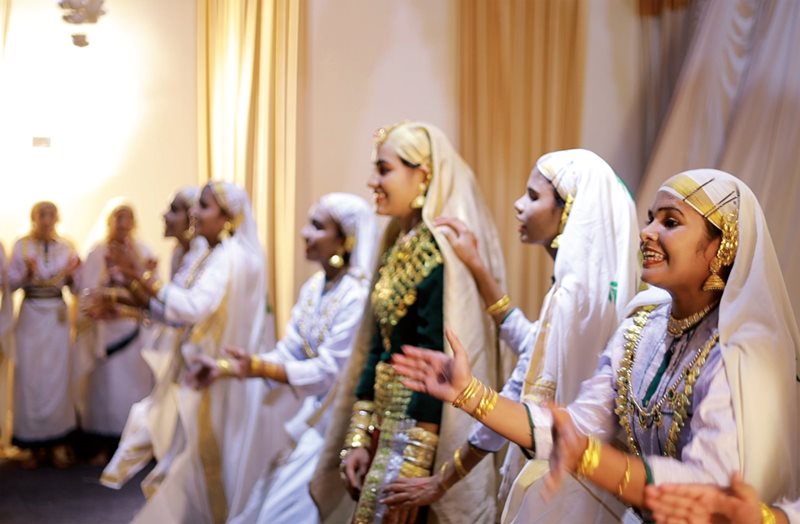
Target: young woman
x=42, y=264
x=209, y=470
x=115, y=375
x=151, y=422
x=341, y=236
x=685, y=380
x=420, y=284
x=577, y=209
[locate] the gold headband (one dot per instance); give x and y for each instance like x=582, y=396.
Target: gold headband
x=696, y=196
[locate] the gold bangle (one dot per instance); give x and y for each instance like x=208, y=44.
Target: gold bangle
x=487, y=403
x=156, y=286
x=626, y=477
x=147, y=275
x=467, y=393
x=590, y=458
x=224, y=367
x=502, y=304
x=767, y=515
x=461, y=471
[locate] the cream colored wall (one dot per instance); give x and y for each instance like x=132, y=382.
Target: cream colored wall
x=367, y=63
x=612, y=102
x=121, y=114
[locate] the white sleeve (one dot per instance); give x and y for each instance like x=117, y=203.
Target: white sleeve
x=518, y=332
x=592, y=411
x=16, y=267
x=314, y=376
x=190, y=306
x=481, y=436
x=792, y=510
x=712, y=454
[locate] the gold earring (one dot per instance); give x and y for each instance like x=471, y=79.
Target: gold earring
x=419, y=200
x=564, y=216
x=726, y=252
x=227, y=230
x=337, y=260
x=188, y=233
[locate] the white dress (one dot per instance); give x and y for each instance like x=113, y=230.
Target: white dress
x=706, y=446
x=318, y=342
x=6, y=355
x=151, y=422
x=118, y=375
x=229, y=434
x=43, y=400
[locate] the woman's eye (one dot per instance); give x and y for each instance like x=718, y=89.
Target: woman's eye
x=670, y=222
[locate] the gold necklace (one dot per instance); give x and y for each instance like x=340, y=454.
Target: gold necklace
x=626, y=403
x=409, y=261
x=677, y=327
x=308, y=312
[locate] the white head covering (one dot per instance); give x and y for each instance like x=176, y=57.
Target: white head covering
x=454, y=192
x=246, y=297
x=100, y=230
x=596, y=272
x=758, y=335
x=357, y=221
x=189, y=195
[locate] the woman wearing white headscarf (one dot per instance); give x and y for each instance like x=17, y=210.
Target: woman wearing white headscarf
x=151, y=422
x=42, y=263
x=211, y=467
x=341, y=236
x=421, y=285
x=114, y=375
x=701, y=380
x=579, y=210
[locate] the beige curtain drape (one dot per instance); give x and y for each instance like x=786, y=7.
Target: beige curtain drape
x=521, y=87
x=736, y=108
x=247, y=75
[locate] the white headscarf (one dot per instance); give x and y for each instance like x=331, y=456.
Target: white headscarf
x=188, y=195
x=357, y=221
x=596, y=271
x=758, y=335
x=247, y=286
x=100, y=230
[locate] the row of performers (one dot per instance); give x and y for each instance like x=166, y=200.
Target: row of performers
x=666, y=355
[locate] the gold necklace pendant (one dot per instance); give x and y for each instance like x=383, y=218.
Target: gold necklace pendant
x=677, y=327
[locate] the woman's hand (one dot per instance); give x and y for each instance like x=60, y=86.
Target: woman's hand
x=704, y=503
x=413, y=492
x=204, y=370
x=434, y=372
x=568, y=447
x=353, y=469
x=121, y=259
x=461, y=239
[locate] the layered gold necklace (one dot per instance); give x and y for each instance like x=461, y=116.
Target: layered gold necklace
x=677, y=327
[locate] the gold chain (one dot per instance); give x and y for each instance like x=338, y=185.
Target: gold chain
x=407, y=263
x=626, y=404
x=308, y=312
x=677, y=327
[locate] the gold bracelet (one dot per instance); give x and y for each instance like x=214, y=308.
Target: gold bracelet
x=767, y=516
x=258, y=367
x=626, y=477
x=467, y=394
x=156, y=286
x=224, y=367
x=590, y=458
x=460, y=469
x=487, y=403
x=501, y=305
x=147, y=275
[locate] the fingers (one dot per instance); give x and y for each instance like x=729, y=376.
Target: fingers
x=236, y=352
x=453, y=223
x=455, y=344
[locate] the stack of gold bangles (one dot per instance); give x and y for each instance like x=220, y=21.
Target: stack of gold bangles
x=359, y=433
x=502, y=306
x=419, y=453
x=767, y=515
x=590, y=458
x=486, y=404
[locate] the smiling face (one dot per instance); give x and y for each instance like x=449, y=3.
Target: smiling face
x=209, y=218
x=677, y=246
x=322, y=235
x=176, y=218
x=394, y=184
x=539, y=211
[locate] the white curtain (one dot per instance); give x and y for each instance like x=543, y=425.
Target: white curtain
x=736, y=107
